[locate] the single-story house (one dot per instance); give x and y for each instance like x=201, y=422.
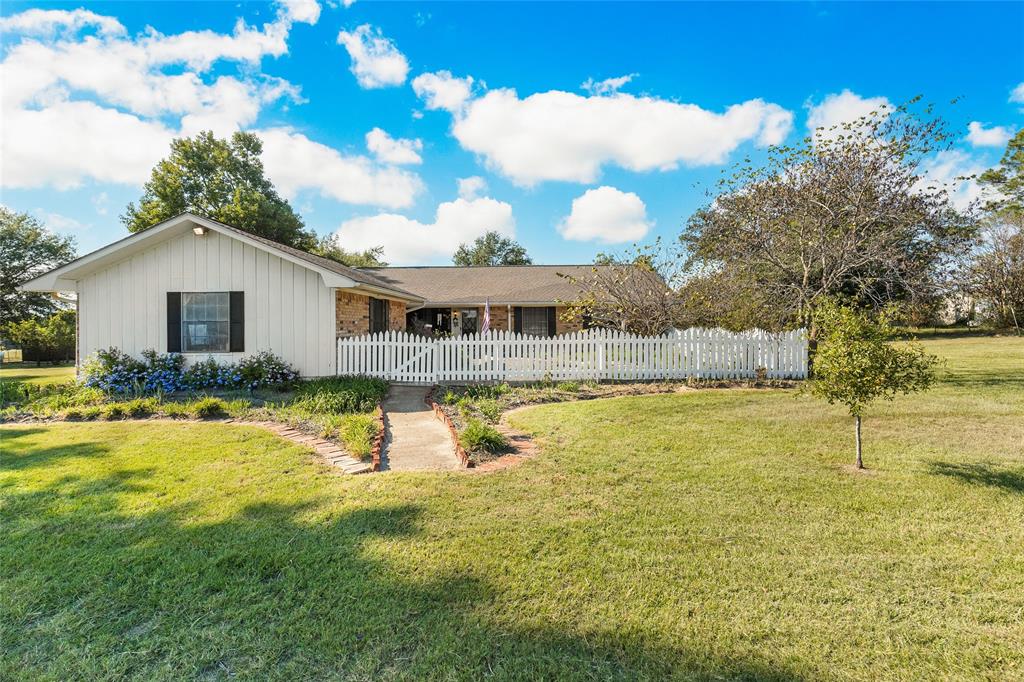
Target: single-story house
x=196, y=286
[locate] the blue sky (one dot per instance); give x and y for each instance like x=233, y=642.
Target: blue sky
x=489, y=92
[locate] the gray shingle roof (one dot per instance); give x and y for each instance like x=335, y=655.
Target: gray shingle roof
x=363, y=276
x=449, y=285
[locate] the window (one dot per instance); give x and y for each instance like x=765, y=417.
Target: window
x=378, y=315
x=205, y=322
x=535, y=321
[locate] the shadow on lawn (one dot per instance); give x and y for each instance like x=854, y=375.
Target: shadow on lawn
x=275, y=591
x=980, y=473
x=27, y=456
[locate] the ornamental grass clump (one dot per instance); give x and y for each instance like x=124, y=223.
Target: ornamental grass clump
x=481, y=437
x=208, y=407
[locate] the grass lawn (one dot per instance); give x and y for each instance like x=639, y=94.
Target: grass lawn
x=709, y=534
x=28, y=372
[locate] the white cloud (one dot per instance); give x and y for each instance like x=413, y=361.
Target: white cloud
x=105, y=107
x=408, y=241
x=303, y=11
x=608, y=86
x=101, y=203
x=376, y=62
x=608, y=215
x=294, y=163
x=391, y=150
x=65, y=143
x=980, y=136
x=58, y=222
x=839, y=108
x=46, y=22
x=563, y=136
x=949, y=169
x=442, y=90
x=471, y=187
x=1017, y=94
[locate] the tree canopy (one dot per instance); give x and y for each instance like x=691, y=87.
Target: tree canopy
x=848, y=212
x=328, y=247
x=223, y=180
x=995, y=272
x=491, y=249
x=27, y=250
x=1005, y=183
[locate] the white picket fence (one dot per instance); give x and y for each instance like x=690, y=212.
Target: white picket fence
x=596, y=354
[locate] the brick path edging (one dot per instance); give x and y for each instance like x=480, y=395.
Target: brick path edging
x=378, y=440
x=460, y=451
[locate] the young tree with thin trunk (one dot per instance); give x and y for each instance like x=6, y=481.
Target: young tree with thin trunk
x=856, y=361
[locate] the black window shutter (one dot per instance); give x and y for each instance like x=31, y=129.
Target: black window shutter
x=552, y=321
x=173, y=321
x=237, y=317
x=517, y=319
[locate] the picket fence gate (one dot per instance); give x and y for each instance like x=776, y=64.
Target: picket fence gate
x=595, y=354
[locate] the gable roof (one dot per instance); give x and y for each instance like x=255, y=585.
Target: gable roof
x=501, y=284
x=334, y=274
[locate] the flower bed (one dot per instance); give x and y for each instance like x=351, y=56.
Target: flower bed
x=261, y=388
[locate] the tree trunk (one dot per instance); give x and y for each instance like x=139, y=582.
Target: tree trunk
x=860, y=459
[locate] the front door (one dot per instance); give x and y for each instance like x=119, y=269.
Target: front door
x=468, y=317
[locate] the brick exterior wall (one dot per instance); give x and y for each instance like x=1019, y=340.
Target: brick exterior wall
x=563, y=327
x=396, y=316
x=351, y=314
x=499, y=317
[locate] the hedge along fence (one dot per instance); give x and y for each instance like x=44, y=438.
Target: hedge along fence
x=595, y=354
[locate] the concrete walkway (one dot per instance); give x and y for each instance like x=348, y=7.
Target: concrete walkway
x=415, y=440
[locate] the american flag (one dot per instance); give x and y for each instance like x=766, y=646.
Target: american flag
x=486, y=326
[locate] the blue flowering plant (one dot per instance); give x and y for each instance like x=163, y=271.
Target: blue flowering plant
x=265, y=370
x=116, y=372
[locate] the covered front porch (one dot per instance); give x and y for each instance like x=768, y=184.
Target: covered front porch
x=456, y=320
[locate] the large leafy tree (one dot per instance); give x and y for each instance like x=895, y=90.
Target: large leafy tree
x=27, y=250
x=1005, y=182
x=849, y=211
x=491, y=249
x=223, y=180
x=328, y=247
x=51, y=339
x=995, y=274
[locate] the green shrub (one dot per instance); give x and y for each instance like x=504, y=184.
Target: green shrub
x=465, y=406
x=113, y=411
x=208, y=407
x=176, y=410
x=92, y=412
x=478, y=436
x=450, y=397
x=568, y=386
x=490, y=409
x=340, y=395
x=73, y=414
x=485, y=391
x=141, y=407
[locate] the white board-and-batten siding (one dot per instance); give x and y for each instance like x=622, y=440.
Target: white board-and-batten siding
x=288, y=308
